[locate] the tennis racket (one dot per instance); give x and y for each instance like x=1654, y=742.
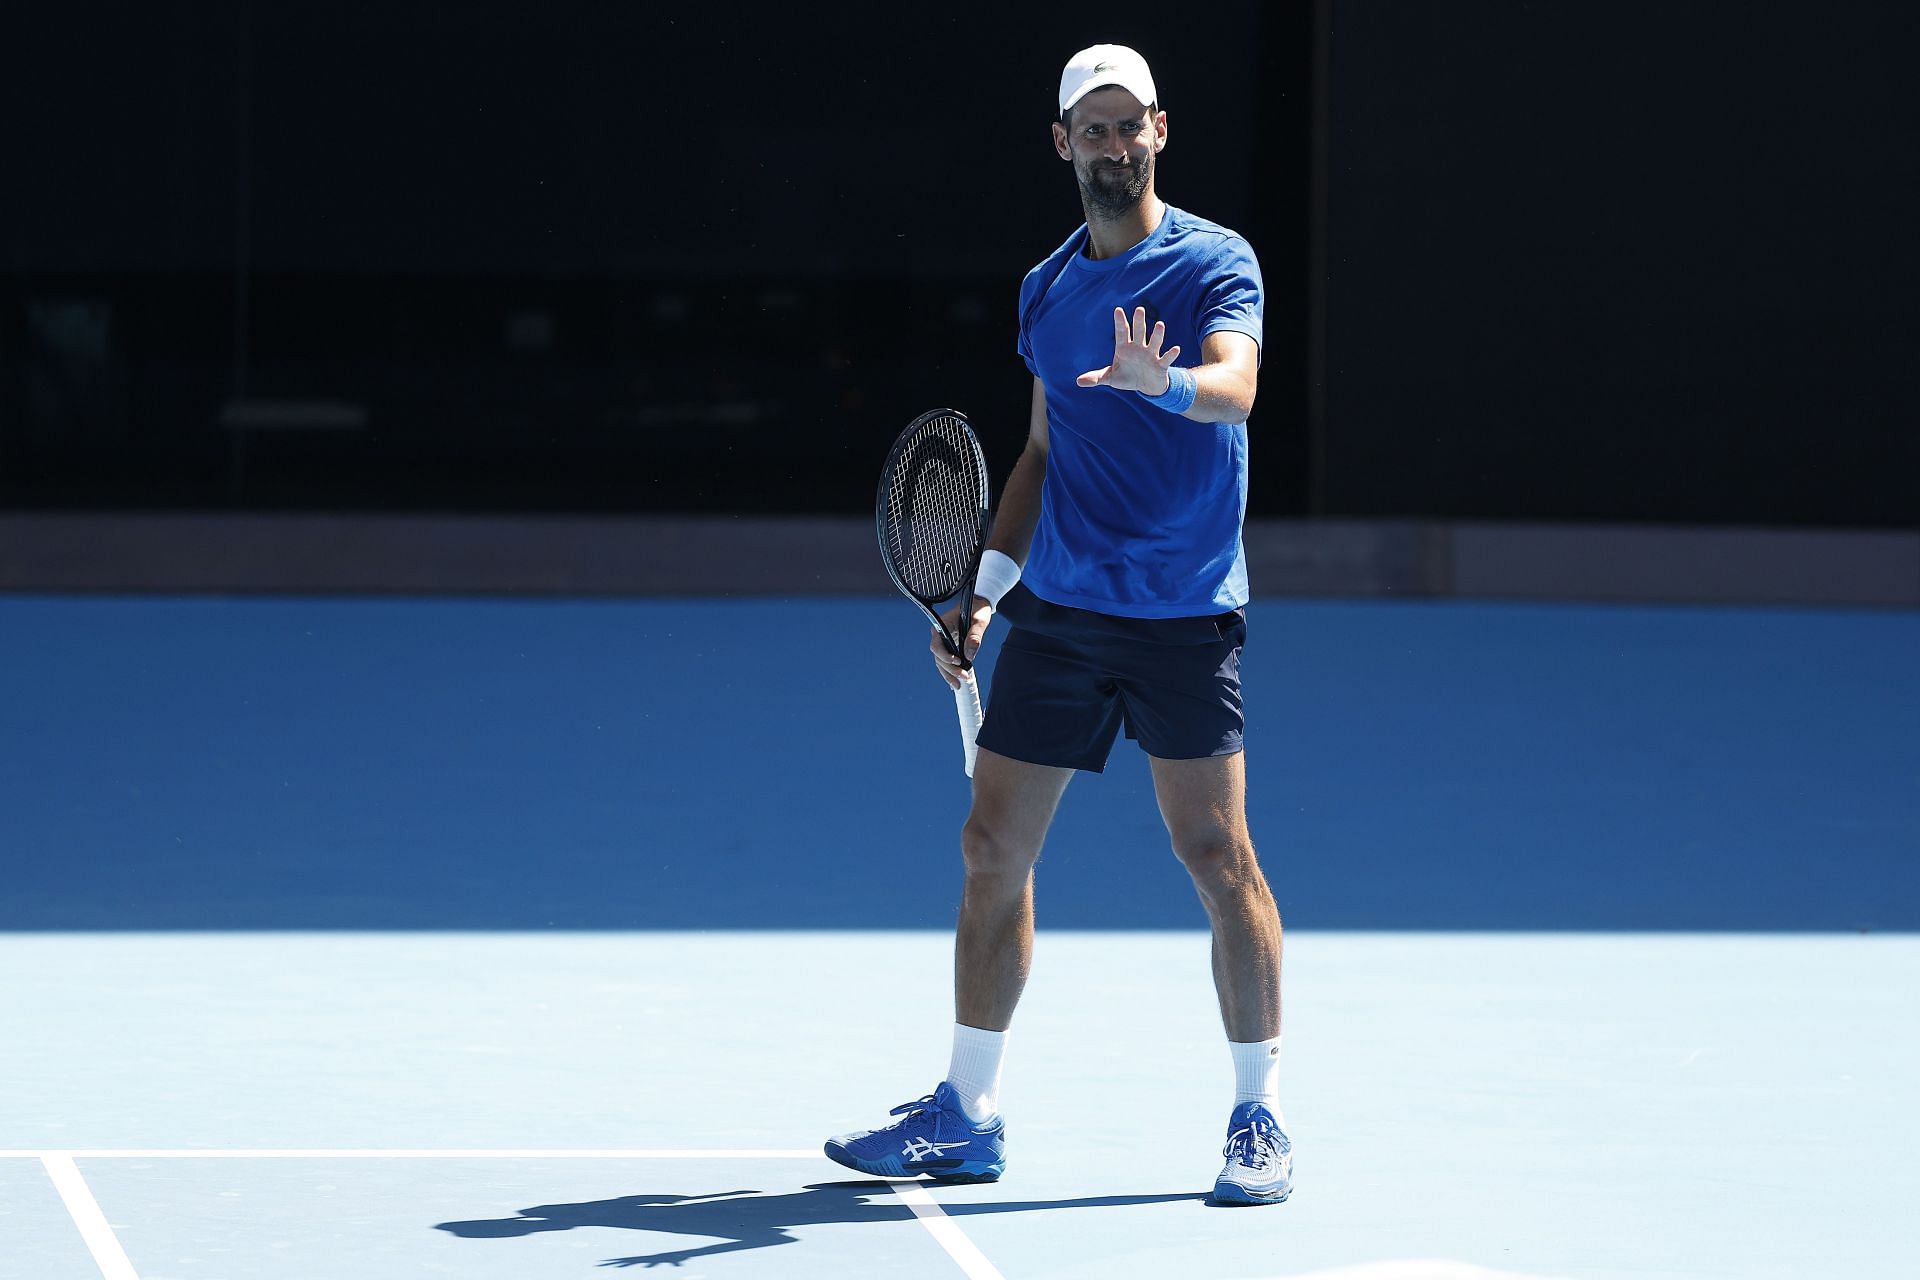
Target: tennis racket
x=931, y=516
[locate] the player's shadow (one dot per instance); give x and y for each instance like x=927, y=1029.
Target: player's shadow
x=748, y=1220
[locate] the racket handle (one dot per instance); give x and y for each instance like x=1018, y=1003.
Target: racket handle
x=966, y=700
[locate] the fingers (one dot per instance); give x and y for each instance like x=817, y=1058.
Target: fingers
x=1134, y=333
x=943, y=660
x=1093, y=377
x=977, y=628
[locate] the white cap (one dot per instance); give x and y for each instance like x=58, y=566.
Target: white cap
x=1103, y=65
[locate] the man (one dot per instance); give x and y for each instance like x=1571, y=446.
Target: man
x=1117, y=558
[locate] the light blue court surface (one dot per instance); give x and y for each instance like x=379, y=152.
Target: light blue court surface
x=398, y=938
x=1545, y=1105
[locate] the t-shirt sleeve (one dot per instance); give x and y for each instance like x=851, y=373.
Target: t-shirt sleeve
x=1233, y=299
x=1024, y=344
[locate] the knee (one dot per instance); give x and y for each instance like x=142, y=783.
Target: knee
x=1223, y=866
x=989, y=855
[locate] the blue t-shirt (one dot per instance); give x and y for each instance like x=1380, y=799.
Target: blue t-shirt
x=1141, y=512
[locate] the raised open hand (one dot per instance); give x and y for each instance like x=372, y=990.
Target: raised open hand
x=1138, y=363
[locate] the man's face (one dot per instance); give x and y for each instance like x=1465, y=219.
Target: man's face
x=1112, y=139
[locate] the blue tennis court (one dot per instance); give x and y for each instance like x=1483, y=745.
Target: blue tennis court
x=402, y=937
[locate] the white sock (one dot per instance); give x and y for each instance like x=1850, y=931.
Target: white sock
x=1256, y=1073
x=975, y=1070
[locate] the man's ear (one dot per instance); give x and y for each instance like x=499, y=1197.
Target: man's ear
x=1060, y=147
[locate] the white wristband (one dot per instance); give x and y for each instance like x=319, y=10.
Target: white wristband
x=998, y=573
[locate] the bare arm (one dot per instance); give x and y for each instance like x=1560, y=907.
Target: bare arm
x=1225, y=381
x=1020, y=500
x=1013, y=523
x=1227, y=378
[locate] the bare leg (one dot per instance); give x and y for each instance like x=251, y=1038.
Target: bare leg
x=1013, y=805
x=1203, y=803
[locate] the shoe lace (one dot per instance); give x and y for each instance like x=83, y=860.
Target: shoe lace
x=908, y=1110
x=1258, y=1145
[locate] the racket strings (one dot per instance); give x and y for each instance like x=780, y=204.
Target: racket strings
x=935, y=496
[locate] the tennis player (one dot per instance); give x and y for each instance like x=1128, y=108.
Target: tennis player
x=1117, y=559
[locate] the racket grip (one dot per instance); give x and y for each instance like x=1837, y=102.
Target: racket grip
x=966, y=700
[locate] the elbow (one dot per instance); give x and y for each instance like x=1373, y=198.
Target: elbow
x=1241, y=401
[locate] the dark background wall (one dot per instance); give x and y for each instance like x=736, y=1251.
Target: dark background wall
x=600, y=257
x=1639, y=263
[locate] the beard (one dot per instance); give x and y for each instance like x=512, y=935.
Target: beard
x=1110, y=191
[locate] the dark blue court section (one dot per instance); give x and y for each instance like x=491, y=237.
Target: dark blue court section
x=296, y=763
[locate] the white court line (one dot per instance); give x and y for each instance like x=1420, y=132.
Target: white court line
x=114, y=1265
x=380, y=1153
x=93, y=1224
x=946, y=1232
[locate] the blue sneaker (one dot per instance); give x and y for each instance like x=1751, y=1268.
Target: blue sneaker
x=933, y=1137
x=1259, y=1159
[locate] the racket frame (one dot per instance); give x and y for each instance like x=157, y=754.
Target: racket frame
x=966, y=696
x=956, y=645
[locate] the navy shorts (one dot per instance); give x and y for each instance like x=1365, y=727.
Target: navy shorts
x=1068, y=680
